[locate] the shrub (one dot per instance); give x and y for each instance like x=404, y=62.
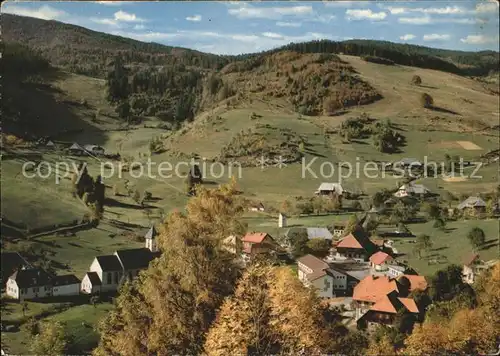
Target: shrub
x=416, y=80
x=426, y=100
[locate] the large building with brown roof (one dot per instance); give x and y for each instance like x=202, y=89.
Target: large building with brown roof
x=379, y=299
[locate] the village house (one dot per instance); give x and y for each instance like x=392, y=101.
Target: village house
x=256, y=243
x=395, y=271
x=379, y=261
x=256, y=207
x=411, y=189
x=313, y=272
x=91, y=283
x=474, y=267
x=94, y=150
x=35, y=283
x=31, y=283
x=357, y=245
x=65, y=285
x=150, y=238
x=338, y=229
x=330, y=189
x=330, y=279
x=76, y=150
x=377, y=300
x=473, y=205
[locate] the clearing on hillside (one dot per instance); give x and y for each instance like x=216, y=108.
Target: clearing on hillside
x=470, y=146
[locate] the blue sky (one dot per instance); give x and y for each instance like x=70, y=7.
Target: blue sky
x=242, y=27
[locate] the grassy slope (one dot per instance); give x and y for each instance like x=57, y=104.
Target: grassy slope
x=272, y=185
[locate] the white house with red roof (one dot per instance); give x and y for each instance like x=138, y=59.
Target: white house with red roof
x=379, y=261
x=313, y=272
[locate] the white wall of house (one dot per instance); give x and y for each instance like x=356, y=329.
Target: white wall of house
x=69, y=289
x=394, y=273
x=29, y=293
x=96, y=267
x=88, y=288
x=11, y=289
x=323, y=286
x=339, y=280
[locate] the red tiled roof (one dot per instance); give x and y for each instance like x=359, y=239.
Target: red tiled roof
x=409, y=304
x=254, y=237
x=416, y=282
x=384, y=304
x=371, y=288
x=390, y=304
x=349, y=242
x=380, y=257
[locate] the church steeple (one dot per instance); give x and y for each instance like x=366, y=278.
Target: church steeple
x=151, y=239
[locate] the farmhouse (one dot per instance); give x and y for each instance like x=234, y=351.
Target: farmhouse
x=258, y=243
x=76, y=150
x=31, y=283
x=411, y=189
x=356, y=245
x=95, y=150
x=473, y=204
x=378, y=300
x=330, y=189
x=319, y=233
x=65, y=285
x=395, y=271
x=474, y=267
x=379, y=261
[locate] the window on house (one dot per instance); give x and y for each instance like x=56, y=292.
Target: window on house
x=109, y=278
x=116, y=277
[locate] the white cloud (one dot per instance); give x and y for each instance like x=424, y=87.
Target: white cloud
x=113, y=3
x=365, y=15
x=415, y=20
x=338, y=3
x=485, y=7
x=44, y=12
x=397, y=10
x=126, y=17
x=407, y=37
x=194, y=18
x=479, y=39
x=139, y=27
x=425, y=20
x=272, y=35
x=288, y=24
x=225, y=43
x=436, y=37
x=104, y=21
x=246, y=11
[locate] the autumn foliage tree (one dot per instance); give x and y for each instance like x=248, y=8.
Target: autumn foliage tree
x=271, y=312
x=168, y=309
x=468, y=332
